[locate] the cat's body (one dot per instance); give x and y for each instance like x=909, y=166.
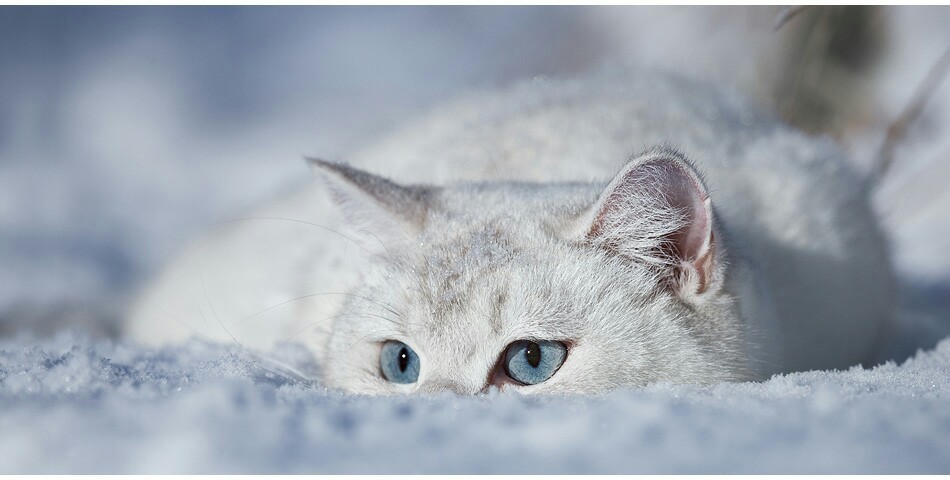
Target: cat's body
x=529, y=239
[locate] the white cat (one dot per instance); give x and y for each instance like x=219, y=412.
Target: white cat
x=578, y=235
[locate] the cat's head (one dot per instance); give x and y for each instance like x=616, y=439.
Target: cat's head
x=539, y=287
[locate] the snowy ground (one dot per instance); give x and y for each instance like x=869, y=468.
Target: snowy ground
x=73, y=405
x=123, y=132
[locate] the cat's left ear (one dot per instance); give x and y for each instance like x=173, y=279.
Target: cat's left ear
x=657, y=211
x=376, y=205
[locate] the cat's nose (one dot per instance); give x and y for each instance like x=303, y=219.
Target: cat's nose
x=438, y=386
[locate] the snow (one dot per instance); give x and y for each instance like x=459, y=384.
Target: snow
x=124, y=132
x=77, y=405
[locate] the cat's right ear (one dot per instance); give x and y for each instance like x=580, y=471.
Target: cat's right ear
x=372, y=204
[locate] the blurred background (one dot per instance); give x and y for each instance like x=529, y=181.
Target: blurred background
x=126, y=131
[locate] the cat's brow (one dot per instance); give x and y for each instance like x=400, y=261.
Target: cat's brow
x=495, y=318
x=456, y=267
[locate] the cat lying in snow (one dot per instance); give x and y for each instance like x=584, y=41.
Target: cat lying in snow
x=613, y=230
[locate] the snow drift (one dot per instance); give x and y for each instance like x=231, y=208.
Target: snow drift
x=76, y=405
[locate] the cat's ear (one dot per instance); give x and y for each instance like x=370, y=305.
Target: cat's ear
x=657, y=211
x=385, y=209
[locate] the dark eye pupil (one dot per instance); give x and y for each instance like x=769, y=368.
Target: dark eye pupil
x=533, y=354
x=403, y=359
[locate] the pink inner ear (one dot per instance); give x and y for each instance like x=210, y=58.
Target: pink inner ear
x=686, y=194
x=692, y=243
x=653, y=185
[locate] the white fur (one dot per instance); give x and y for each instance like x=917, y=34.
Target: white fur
x=799, y=275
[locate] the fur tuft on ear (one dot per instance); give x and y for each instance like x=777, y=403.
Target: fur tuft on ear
x=656, y=211
x=375, y=204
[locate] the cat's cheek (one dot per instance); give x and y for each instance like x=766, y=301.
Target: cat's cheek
x=594, y=367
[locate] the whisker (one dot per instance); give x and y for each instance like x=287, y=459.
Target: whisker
x=389, y=308
x=304, y=329
x=381, y=244
x=367, y=314
x=317, y=225
x=377, y=332
x=235, y=340
x=203, y=319
x=180, y=322
x=311, y=295
x=314, y=324
x=296, y=220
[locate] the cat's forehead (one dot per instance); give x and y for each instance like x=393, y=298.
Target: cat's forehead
x=491, y=264
x=479, y=232
x=510, y=204
x=480, y=236
x=480, y=278
x=455, y=267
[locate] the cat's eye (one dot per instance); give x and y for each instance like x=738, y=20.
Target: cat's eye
x=532, y=362
x=399, y=363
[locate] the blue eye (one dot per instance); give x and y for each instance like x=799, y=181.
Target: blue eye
x=399, y=363
x=534, y=362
